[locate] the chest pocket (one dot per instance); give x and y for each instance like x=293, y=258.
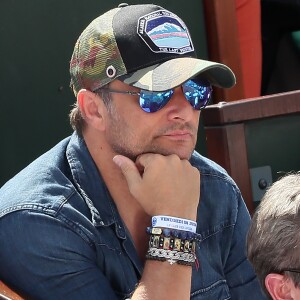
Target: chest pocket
x=115, y=264
x=217, y=291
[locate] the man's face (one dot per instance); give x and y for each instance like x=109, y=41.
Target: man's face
x=130, y=131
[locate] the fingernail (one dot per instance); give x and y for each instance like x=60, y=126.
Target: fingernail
x=117, y=160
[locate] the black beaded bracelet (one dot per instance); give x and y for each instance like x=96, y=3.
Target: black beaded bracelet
x=184, y=235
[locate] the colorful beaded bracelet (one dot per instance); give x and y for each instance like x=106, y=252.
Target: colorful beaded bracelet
x=172, y=243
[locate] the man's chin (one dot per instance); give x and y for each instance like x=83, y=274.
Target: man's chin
x=182, y=154
x=165, y=146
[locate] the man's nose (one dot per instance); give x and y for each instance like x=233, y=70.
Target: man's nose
x=179, y=107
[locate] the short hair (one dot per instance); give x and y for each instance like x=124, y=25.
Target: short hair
x=273, y=241
x=77, y=119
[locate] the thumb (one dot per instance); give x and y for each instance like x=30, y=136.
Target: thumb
x=128, y=169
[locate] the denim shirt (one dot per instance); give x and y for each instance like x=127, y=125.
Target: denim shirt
x=62, y=237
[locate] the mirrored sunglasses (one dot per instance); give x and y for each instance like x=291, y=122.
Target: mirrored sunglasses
x=197, y=93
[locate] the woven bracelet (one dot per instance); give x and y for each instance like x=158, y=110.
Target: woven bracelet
x=171, y=256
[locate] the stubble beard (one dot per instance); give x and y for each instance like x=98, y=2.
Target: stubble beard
x=124, y=145
x=123, y=141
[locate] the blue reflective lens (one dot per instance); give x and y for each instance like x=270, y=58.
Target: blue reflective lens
x=197, y=92
x=154, y=101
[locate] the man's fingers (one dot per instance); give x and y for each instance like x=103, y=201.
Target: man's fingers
x=146, y=159
x=129, y=170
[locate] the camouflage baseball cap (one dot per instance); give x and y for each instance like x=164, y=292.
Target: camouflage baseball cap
x=145, y=46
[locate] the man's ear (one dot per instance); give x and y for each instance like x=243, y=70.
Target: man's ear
x=278, y=286
x=92, y=109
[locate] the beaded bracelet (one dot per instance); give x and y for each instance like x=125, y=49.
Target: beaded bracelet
x=185, y=235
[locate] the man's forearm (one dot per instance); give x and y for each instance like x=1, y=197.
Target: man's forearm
x=161, y=280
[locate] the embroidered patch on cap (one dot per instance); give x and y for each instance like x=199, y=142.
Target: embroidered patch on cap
x=164, y=32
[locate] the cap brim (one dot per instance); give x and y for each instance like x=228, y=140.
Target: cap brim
x=176, y=71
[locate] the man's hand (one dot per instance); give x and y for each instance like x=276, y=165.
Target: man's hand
x=163, y=185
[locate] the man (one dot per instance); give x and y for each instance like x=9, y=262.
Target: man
x=274, y=239
x=76, y=222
